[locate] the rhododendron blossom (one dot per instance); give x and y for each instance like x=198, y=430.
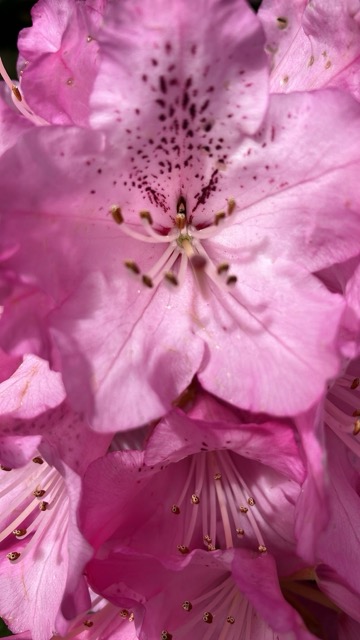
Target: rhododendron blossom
x=178, y=220
x=180, y=322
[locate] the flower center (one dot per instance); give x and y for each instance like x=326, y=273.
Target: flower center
x=185, y=247
x=216, y=499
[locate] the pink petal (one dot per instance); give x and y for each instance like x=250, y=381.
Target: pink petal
x=32, y=389
x=313, y=45
x=59, y=57
x=181, y=58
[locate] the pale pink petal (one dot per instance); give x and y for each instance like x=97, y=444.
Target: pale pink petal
x=59, y=58
x=32, y=389
x=312, y=509
x=312, y=44
x=339, y=542
x=181, y=64
x=17, y=450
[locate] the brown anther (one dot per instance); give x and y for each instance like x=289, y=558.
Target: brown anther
x=195, y=499
x=175, y=509
x=311, y=61
x=231, y=280
x=207, y=539
x=43, y=505
x=165, y=635
x=38, y=460
x=243, y=509
x=124, y=613
x=16, y=93
x=147, y=281
x=217, y=476
x=218, y=217
x=146, y=215
x=131, y=617
x=251, y=501
x=132, y=266
x=355, y=383
x=240, y=532
x=262, y=548
x=88, y=623
x=223, y=267
x=89, y=39
x=116, y=214
x=282, y=23
x=356, y=429
x=230, y=619
x=39, y=493
x=184, y=550
x=211, y=547
x=186, y=605
x=19, y=532
x=171, y=277
x=5, y=468
x=208, y=617
x=231, y=206
x=13, y=555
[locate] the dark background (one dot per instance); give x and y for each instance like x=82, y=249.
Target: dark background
x=15, y=15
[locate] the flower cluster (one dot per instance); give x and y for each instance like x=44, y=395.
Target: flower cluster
x=180, y=322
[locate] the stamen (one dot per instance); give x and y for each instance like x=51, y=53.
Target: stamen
x=219, y=217
x=39, y=493
x=19, y=532
x=13, y=555
x=16, y=93
x=132, y=266
x=148, y=282
x=18, y=99
x=43, y=505
x=116, y=214
x=38, y=460
x=222, y=268
x=146, y=217
x=171, y=277
x=231, y=206
x=5, y=468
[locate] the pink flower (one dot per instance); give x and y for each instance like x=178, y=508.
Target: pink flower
x=223, y=228
x=39, y=534
x=313, y=44
x=199, y=484
x=231, y=594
